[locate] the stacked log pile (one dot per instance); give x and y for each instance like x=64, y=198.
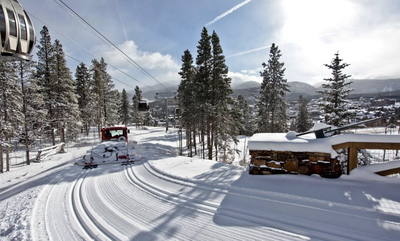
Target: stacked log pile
x=307, y=163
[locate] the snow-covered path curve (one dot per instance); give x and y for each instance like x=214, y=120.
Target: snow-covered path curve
x=167, y=197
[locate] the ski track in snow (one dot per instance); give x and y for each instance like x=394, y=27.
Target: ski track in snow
x=145, y=202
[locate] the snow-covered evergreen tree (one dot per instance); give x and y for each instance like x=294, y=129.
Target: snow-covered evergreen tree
x=105, y=95
x=125, y=108
x=303, y=121
x=11, y=117
x=271, y=103
x=83, y=88
x=66, y=101
x=33, y=106
x=247, y=120
x=148, y=119
x=221, y=121
x=113, y=108
x=47, y=82
x=137, y=115
x=335, y=93
x=204, y=97
x=203, y=87
x=186, y=93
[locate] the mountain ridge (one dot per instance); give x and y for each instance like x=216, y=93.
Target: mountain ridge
x=250, y=89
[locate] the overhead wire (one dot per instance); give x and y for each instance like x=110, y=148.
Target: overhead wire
x=116, y=47
x=77, y=60
x=74, y=42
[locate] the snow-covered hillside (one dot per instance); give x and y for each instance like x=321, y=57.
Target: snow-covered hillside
x=170, y=197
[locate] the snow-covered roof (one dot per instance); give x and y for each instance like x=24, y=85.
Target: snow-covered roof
x=308, y=143
x=364, y=138
x=290, y=142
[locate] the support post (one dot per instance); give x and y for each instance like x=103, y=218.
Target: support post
x=352, y=161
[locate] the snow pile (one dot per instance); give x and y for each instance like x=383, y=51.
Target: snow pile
x=308, y=143
x=290, y=142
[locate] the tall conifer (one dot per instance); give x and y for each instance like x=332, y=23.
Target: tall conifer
x=125, y=108
x=187, y=104
x=83, y=88
x=272, y=99
x=220, y=99
x=33, y=108
x=10, y=108
x=137, y=116
x=67, y=109
x=303, y=121
x=202, y=87
x=335, y=92
x=45, y=74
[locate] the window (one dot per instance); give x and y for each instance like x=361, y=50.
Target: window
x=3, y=28
x=22, y=24
x=12, y=22
x=31, y=33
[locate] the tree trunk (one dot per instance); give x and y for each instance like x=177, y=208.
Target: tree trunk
x=216, y=142
x=1, y=159
x=210, y=137
x=8, y=153
x=180, y=141
x=24, y=100
x=53, y=136
x=1, y=151
x=194, y=141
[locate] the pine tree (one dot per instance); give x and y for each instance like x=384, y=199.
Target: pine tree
x=137, y=115
x=335, y=92
x=10, y=108
x=125, y=108
x=32, y=104
x=187, y=103
x=148, y=119
x=45, y=74
x=202, y=87
x=83, y=88
x=105, y=97
x=111, y=95
x=272, y=104
x=67, y=109
x=247, y=120
x=220, y=99
x=113, y=108
x=303, y=121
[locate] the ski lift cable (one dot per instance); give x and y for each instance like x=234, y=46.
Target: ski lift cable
x=115, y=46
x=77, y=60
x=77, y=44
x=102, y=39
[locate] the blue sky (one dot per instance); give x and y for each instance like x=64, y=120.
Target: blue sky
x=155, y=33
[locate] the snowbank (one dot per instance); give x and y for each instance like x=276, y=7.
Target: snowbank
x=308, y=143
x=290, y=142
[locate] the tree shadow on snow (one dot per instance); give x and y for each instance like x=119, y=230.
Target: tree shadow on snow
x=276, y=201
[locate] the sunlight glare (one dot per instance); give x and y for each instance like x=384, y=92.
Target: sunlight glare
x=309, y=20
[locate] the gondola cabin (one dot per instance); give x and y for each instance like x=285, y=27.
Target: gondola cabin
x=17, y=32
x=143, y=105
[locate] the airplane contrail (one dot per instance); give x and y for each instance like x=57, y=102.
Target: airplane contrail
x=269, y=46
x=228, y=12
x=120, y=18
x=249, y=51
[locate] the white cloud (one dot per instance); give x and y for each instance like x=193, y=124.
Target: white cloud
x=151, y=61
x=239, y=78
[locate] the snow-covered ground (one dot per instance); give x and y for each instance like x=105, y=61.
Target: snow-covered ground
x=171, y=197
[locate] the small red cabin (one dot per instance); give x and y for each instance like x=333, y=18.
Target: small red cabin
x=117, y=133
